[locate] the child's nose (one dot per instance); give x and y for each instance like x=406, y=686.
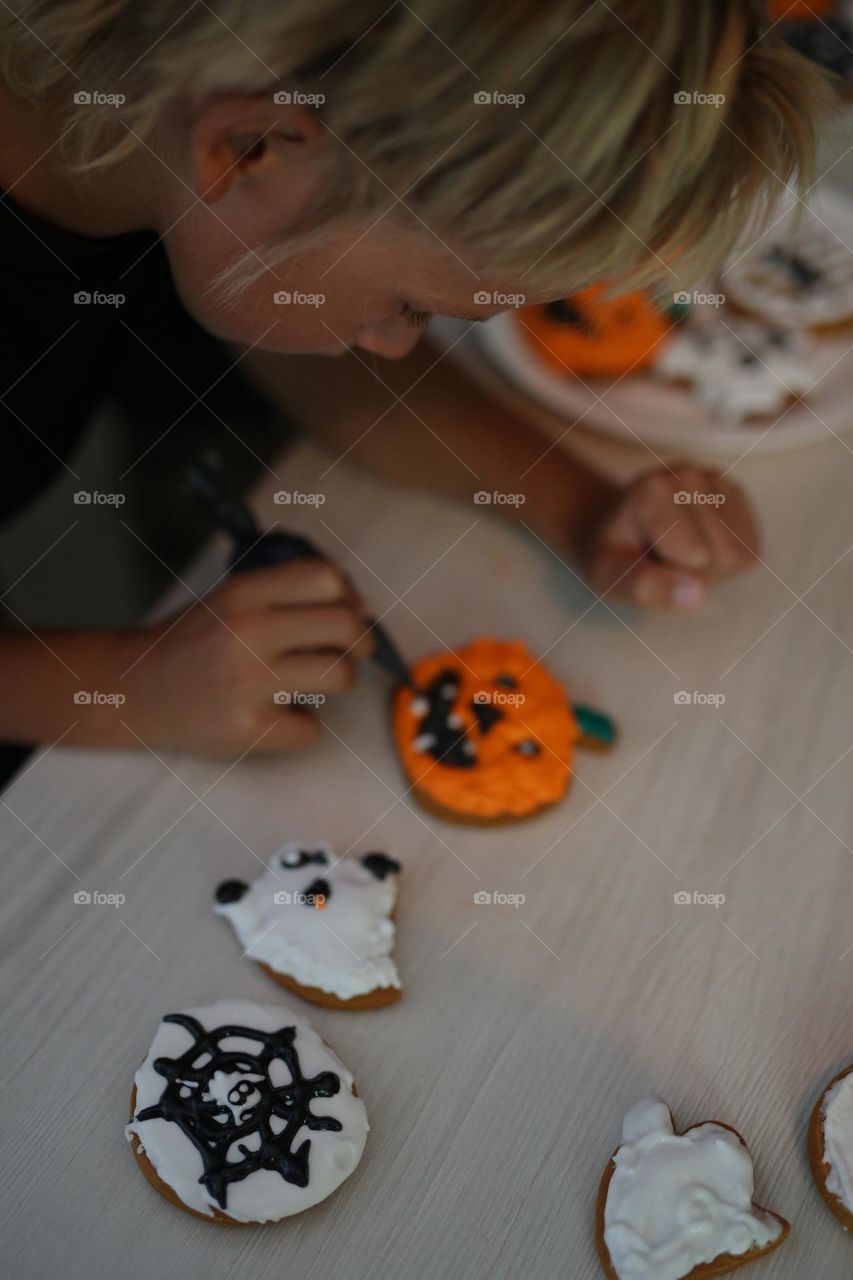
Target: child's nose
x=392, y=339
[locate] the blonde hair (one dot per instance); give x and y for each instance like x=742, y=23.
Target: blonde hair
x=620, y=160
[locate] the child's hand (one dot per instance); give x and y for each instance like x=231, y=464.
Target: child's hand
x=218, y=681
x=662, y=541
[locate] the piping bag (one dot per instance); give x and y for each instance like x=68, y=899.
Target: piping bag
x=254, y=550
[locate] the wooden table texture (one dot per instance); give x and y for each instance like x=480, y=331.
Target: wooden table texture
x=496, y=1087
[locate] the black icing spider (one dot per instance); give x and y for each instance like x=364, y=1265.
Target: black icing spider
x=225, y=1102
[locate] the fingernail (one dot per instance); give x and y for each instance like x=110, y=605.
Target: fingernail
x=688, y=592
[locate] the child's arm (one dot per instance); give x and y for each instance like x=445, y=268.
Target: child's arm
x=205, y=683
x=639, y=543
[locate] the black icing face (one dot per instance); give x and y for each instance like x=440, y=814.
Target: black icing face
x=380, y=865
x=230, y=891
x=291, y=859
x=225, y=1101
x=319, y=890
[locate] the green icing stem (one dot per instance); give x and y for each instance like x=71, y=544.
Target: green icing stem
x=595, y=725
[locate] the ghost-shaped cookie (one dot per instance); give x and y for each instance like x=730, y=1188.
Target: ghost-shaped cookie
x=319, y=925
x=673, y=1205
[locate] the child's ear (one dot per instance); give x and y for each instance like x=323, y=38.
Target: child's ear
x=232, y=138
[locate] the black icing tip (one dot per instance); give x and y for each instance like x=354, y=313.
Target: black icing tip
x=317, y=889
x=380, y=865
x=230, y=891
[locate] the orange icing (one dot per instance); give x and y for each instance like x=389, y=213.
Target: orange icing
x=503, y=782
x=616, y=334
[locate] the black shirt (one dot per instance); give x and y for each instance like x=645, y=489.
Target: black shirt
x=86, y=319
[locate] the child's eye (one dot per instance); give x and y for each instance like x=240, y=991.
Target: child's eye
x=418, y=319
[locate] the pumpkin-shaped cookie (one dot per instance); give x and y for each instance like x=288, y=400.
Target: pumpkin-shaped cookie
x=485, y=733
x=595, y=334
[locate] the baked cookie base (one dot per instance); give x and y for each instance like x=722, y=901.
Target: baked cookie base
x=376, y=999
x=817, y=1157
x=474, y=820
x=721, y=1264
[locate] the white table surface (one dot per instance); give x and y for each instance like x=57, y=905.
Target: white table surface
x=496, y=1088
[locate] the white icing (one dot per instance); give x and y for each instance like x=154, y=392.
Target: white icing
x=345, y=948
x=739, y=368
x=762, y=280
x=838, y=1139
x=678, y=1200
x=263, y=1195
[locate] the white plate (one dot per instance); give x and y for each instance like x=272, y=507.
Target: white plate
x=641, y=409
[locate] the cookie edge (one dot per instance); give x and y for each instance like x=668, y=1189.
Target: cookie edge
x=817, y=1156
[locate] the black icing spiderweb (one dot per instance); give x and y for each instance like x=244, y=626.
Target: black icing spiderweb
x=238, y=1139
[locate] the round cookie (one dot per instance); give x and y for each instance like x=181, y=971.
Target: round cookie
x=487, y=735
x=739, y=369
x=320, y=926
x=241, y=1114
x=798, y=276
x=593, y=334
x=677, y=1205
x=831, y=1146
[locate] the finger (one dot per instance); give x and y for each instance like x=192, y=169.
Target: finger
x=738, y=519
x=288, y=729
x=728, y=553
x=328, y=673
x=655, y=517
x=617, y=575
x=304, y=582
x=337, y=627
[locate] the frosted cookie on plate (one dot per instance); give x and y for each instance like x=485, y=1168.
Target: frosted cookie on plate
x=831, y=1146
x=800, y=275
x=673, y=1205
x=739, y=369
x=487, y=734
x=594, y=334
x=319, y=925
x=241, y=1114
